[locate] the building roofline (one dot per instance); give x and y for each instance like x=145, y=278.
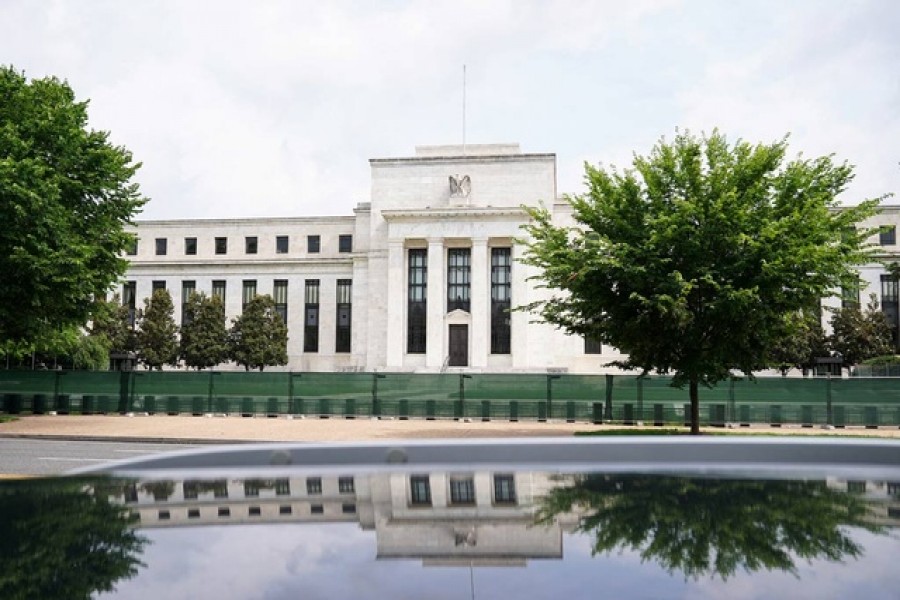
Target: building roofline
x=462, y=159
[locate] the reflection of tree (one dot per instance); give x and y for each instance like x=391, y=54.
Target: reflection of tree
x=63, y=539
x=710, y=526
x=161, y=490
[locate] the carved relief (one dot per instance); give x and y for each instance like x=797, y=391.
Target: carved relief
x=460, y=186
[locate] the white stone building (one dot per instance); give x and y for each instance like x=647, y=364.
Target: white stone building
x=419, y=279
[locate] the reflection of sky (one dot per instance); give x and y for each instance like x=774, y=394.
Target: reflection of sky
x=338, y=561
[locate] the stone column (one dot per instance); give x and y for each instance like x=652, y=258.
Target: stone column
x=396, y=306
x=481, y=299
x=435, y=351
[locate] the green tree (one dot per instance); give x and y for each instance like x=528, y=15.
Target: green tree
x=204, y=337
x=690, y=262
x=803, y=341
x=258, y=337
x=91, y=354
x=157, y=338
x=858, y=335
x=61, y=539
x=110, y=323
x=704, y=525
x=65, y=197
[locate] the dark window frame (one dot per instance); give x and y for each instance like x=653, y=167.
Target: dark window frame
x=311, y=315
x=280, y=296
x=221, y=245
x=190, y=246
x=249, y=290
x=162, y=246
x=459, y=279
x=419, y=490
x=251, y=244
x=417, y=301
x=345, y=243
x=343, y=316
x=501, y=300
x=313, y=244
x=282, y=244
x=462, y=490
x=888, y=235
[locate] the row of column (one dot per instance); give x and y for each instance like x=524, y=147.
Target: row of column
x=437, y=321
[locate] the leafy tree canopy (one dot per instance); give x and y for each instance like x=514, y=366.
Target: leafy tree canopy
x=60, y=539
x=858, y=335
x=65, y=196
x=708, y=526
x=690, y=262
x=259, y=336
x=157, y=339
x=110, y=323
x=204, y=337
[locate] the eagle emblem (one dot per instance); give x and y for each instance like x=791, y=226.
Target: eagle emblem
x=460, y=186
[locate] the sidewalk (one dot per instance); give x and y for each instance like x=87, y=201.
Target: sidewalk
x=221, y=429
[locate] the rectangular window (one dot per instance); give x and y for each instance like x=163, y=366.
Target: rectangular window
x=462, y=490
x=311, y=316
x=158, y=285
x=501, y=286
x=281, y=244
x=161, y=246
x=416, y=308
x=191, y=490
x=458, y=279
x=280, y=295
x=188, y=288
x=220, y=488
x=132, y=248
x=250, y=245
x=420, y=490
x=218, y=290
x=282, y=487
x=890, y=303
x=248, y=293
x=190, y=246
x=345, y=485
x=164, y=515
x=316, y=509
x=285, y=510
x=313, y=244
x=224, y=511
x=344, y=306
x=129, y=299
x=348, y=508
x=254, y=511
x=856, y=487
x=221, y=245
x=251, y=488
x=504, y=489
x=888, y=235
x=592, y=345
x=850, y=294
x=345, y=243
x=314, y=486
x=193, y=513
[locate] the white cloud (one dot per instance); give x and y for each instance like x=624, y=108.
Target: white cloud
x=241, y=109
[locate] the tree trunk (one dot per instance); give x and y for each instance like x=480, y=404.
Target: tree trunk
x=695, y=406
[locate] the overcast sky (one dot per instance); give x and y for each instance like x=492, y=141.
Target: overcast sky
x=274, y=108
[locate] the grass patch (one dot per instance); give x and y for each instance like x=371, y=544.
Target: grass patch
x=8, y=418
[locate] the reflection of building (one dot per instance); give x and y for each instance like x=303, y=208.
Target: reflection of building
x=442, y=518
x=883, y=498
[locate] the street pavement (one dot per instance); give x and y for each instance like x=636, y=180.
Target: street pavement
x=227, y=429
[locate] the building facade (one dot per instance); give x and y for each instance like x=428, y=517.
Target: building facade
x=421, y=278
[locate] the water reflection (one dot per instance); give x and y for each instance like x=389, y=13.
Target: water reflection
x=705, y=526
x=65, y=539
x=501, y=530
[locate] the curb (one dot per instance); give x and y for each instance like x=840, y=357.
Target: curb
x=132, y=439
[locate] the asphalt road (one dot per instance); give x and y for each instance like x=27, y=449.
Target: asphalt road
x=20, y=456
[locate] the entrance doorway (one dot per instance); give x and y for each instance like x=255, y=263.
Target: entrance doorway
x=459, y=346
